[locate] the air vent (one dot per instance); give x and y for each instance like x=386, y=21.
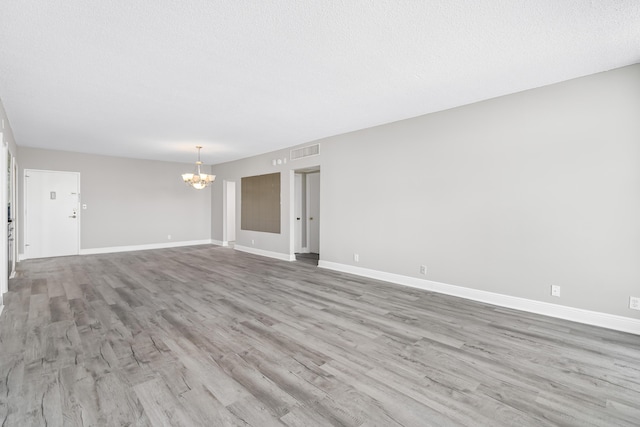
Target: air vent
x=300, y=153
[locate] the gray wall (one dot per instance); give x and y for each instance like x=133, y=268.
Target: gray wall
x=509, y=195
x=259, y=165
x=129, y=201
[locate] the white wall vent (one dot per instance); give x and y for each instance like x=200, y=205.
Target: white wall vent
x=310, y=150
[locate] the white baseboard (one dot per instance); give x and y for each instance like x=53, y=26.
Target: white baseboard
x=610, y=321
x=21, y=257
x=1, y=308
x=219, y=242
x=114, y=249
x=276, y=255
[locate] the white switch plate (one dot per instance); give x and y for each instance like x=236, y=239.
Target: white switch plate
x=423, y=269
x=634, y=303
x=356, y=257
x=555, y=290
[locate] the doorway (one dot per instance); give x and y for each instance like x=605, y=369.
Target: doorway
x=12, y=178
x=229, y=213
x=52, y=215
x=306, y=211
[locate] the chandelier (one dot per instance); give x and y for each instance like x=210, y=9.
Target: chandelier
x=198, y=180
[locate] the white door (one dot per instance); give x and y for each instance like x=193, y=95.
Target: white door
x=52, y=215
x=313, y=212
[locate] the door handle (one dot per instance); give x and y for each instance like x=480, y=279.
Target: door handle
x=72, y=216
x=298, y=219
x=311, y=219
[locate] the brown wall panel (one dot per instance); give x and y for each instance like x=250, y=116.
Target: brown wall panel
x=260, y=201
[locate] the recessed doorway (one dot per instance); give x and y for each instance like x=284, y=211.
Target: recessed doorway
x=229, y=212
x=306, y=213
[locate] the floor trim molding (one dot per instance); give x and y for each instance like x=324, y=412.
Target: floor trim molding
x=610, y=321
x=262, y=252
x=108, y=250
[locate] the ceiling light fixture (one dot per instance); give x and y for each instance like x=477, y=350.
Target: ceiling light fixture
x=198, y=180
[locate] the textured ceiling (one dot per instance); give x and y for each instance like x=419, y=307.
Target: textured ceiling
x=151, y=79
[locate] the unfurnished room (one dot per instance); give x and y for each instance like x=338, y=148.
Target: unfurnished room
x=321, y=213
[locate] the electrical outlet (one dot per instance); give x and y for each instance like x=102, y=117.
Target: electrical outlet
x=555, y=290
x=168, y=236
x=423, y=269
x=634, y=303
x=356, y=257
x=253, y=242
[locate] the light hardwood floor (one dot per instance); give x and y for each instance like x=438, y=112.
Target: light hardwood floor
x=207, y=336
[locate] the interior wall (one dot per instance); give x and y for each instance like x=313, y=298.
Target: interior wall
x=275, y=243
x=7, y=140
x=130, y=202
x=510, y=195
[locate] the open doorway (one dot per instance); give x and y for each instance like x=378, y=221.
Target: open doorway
x=307, y=215
x=229, y=213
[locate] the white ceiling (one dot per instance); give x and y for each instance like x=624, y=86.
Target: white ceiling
x=153, y=78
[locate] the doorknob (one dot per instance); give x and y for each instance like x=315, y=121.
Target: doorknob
x=75, y=213
x=311, y=219
x=298, y=219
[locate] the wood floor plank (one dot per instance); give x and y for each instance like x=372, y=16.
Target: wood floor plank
x=207, y=336
x=161, y=406
x=223, y=387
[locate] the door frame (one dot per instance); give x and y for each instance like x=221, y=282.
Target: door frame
x=24, y=208
x=299, y=209
x=308, y=195
x=292, y=208
x=226, y=208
